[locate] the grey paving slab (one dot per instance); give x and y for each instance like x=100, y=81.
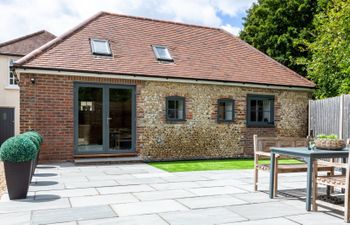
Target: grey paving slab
x=109, y=177
x=124, y=189
x=317, y=219
x=210, y=201
x=177, y=185
x=27, y=205
x=16, y=218
x=100, y=183
x=71, y=214
x=148, y=207
x=102, y=200
x=255, y=197
x=219, y=183
x=64, y=223
x=184, y=178
x=66, y=193
x=167, y=194
x=274, y=221
x=158, y=174
x=46, y=187
x=151, y=180
x=128, y=220
x=216, y=190
x=266, y=210
x=202, y=217
x=140, y=193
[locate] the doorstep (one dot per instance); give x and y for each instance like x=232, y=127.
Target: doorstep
x=107, y=159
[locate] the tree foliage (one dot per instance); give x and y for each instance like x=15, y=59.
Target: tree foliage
x=282, y=29
x=329, y=67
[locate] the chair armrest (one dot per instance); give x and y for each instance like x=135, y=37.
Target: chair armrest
x=263, y=153
x=333, y=164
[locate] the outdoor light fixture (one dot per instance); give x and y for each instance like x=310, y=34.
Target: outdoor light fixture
x=32, y=80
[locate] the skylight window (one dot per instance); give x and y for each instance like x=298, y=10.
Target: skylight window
x=162, y=53
x=100, y=47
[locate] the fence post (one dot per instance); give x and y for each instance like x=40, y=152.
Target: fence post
x=309, y=116
x=341, y=117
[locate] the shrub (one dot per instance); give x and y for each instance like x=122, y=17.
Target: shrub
x=36, y=135
x=331, y=136
x=18, y=149
x=34, y=139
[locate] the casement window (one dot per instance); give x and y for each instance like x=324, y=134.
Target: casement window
x=225, y=111
x=11, y=77
x=175, y=108
x=260, y=111
x=162, y=53
x=100, y=47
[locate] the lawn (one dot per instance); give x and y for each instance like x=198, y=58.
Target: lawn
x=224, y=164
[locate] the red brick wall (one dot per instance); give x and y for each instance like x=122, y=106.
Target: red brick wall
x=47, y=107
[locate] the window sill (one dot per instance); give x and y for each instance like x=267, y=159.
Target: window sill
x=175, y=121
x=225, y=121
x=261, y=126
x=12, y=87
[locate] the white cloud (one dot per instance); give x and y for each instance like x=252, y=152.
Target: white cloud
x=20, y=17
x=231, y=29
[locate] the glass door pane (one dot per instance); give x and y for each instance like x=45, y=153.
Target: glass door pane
x=90, y=115
x=120, y=119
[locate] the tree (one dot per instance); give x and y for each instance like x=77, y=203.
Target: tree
x=282, y=29
x=329, y=66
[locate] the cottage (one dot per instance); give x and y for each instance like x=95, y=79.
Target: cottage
x=9, y=90
x=128, y=86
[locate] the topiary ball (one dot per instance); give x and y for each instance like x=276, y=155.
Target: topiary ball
x=18, y=149
x=34, y=139
x=36, y=135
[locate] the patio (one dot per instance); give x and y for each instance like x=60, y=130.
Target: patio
x=141, y=194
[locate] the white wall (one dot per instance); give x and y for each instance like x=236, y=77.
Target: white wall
x=9, y=95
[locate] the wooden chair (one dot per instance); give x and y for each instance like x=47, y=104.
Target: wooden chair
x=335, y=181
x=262, y=151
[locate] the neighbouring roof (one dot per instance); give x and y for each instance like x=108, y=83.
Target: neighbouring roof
x=199, y=52
x=23, y=45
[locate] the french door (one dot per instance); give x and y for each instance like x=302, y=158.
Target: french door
x=104, y=118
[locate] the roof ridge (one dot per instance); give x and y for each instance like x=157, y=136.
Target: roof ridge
x=160, y=20
x=35, y=53
x=268, y=57
x=23, y=38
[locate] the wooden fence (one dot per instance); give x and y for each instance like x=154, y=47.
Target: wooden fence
x=330, y=116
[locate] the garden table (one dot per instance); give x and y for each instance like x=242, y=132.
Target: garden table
x=309, y=156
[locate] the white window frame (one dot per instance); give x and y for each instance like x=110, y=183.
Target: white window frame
x=13, y=78
x=107, y=45
x=170, y=59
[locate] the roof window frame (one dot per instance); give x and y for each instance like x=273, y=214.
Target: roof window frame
x=93, y=50
x=158, y=57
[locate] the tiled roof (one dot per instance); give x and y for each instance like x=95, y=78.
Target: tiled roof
x=24, y=45
x=199, y=52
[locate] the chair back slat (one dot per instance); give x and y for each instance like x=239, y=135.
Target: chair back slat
x=265, y=143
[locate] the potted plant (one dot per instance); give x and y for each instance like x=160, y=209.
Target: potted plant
x=329, y=142
x=17, y=153
x=37, y=140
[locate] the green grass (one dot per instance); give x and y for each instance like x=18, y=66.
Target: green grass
x=224, y=164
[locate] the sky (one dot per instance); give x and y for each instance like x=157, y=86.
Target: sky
x=21, y=17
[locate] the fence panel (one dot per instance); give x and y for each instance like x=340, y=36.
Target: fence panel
x=330, y=116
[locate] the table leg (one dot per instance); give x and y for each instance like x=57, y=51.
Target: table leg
x=272, y=174
x=309, y=183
